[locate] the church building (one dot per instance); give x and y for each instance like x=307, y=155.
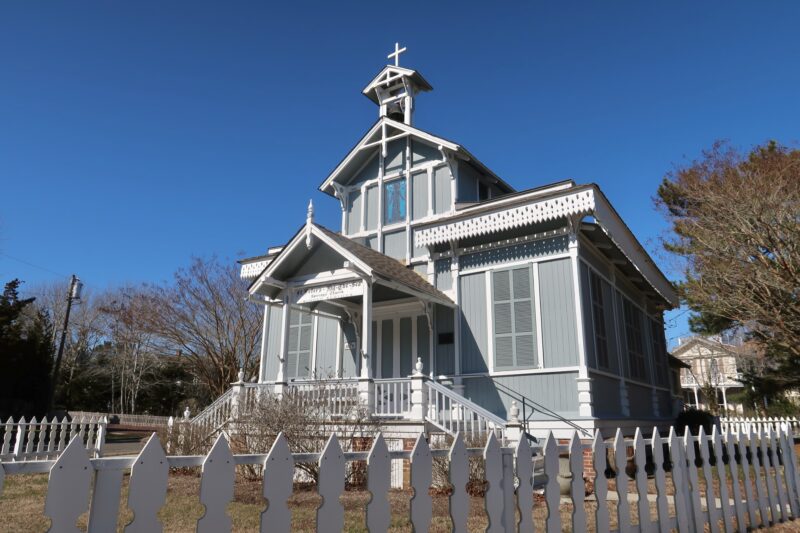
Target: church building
x=539, y=304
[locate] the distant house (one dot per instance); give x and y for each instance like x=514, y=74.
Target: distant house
x=542, y=296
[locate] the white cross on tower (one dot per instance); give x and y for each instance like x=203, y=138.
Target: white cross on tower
x=396, y=54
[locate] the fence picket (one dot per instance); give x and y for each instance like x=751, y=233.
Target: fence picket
x=525, y=489
x=7, y=430
x=63, y=433
x=789, y=469
x=711, y=505
x=330, y=514
x=760, y=492
x=459, y=477
x=744, y=457
x=724, y=500
x=621, y=481
x=42, y=436
x=509, y=521
x=31, y=436
x=773, y=454
x=577, y=484
x=379, y=465
x=551, y=490
x=765, y=464
x=148, y=487
x=698, y=516
x=216, y=487
x=680, y=479
x=53, y=436
x=277, y=486
x=662, y=506
x=68, y=488
x=104, y=508
x=602, y=519
x=642, y=505
x=421, y=477
x=736, y=492
x=19, y=438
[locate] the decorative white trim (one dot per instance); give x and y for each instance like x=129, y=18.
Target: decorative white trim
x=579, y=203
x=252, y=270
x=524, y=372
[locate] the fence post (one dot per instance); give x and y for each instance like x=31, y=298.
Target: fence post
x=18, y=449
x=419, y=393
x=100, y=440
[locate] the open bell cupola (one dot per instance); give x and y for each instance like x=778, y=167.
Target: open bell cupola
x=394, y=89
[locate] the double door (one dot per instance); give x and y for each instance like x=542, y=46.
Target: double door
x=397, y=341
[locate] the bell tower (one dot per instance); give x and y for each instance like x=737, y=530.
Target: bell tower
x=395, y=88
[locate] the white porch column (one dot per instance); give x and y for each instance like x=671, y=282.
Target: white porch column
x=696, y=401
x=280, y=380
x=262, y=367
x=365, y=391
x=725, y=400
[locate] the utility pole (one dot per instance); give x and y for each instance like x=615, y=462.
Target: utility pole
x=73, y=295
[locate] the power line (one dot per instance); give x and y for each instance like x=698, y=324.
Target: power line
x=34, y=265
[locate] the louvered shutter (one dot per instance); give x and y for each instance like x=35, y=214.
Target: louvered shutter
x=514, y=328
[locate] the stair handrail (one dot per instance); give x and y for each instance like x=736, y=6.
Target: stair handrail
x=524, y=400
x=498, y=421
x=205, y=413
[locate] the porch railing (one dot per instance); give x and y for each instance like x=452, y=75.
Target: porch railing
x=392, y=397
x=340, y=395
x=453, y=413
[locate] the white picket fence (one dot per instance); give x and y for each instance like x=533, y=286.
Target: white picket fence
x=735, y=423
x=761, y=468
x=32, y=439
x=145, y=421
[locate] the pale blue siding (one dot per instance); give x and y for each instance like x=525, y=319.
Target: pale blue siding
x=422, y=152
x=474, y=330
x=554, y=391
x=559, y=330
x=467, y=186
x=394, y=244
x=419, y=200
x=442, y=196
x=273, y=342
x=321, y=259
x=421, y=270
x=327, y=331
x=351, y=361
x=443, y=274
x=395, y=156
x=640, y=399
x=518, y=252
x=406, y=348
x=372, y=207
x=605, y=396
x=368, y=172
x=387, y=348
x=354, y=212
x=445, y=363
x=372, y=242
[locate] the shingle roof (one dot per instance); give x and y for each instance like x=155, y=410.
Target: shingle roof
x=385, y=266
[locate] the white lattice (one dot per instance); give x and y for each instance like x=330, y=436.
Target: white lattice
x=579, y=203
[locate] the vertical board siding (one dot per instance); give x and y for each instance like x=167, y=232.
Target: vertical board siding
x=371, y=242
x=443, y=275
x=559, y=330
x=350, y=354
x=640, y=399
x=517, y=252
x=273, y=342
x=327, y=331
x=554, y=391
x=394, y=244
x=371, y=207
x=422, y=152
x=354, y=212
x=369, y=172
x=419, y=196
x=405, y=347
x=423, y=343
x=395, y=156
x=442, y=201
x=387, y=348
x=474, y=324
x=605, y=396
x=445, y=353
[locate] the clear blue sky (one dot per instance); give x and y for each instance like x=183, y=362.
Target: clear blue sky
x=134, y=135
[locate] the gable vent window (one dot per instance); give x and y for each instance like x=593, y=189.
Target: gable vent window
x=633, y=334
x=599, y=320
x=298, y=364
x=394, y=201
x=514, y=337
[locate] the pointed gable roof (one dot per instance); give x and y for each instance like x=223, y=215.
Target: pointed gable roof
x=392, y=73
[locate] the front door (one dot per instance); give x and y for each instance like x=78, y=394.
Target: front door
x=398, y=341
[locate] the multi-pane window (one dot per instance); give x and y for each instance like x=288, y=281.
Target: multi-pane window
x=599, y=320
x=659, y=351
x=514, y=337
x=298, y=364
x=394, y=201
x=633, y=334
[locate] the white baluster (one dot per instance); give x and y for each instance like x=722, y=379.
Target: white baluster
x=623, y=507
x=42, y=437
x=216, y=488
x=68, y=488
x=524, y=456
x=659, y=477
x=19, y=438
x=379, y=476
x=277, y=486
x=330, y=514
x=421, y=477
x=8, y=428
x=31, y=436
x=148, y=487
x=577, y=485
x=639, y=460
x=680, y=478
x=552, y=493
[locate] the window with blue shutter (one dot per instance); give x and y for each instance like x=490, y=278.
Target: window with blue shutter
x=514, y=328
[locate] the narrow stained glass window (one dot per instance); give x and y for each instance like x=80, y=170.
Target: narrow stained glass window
x=394, y=201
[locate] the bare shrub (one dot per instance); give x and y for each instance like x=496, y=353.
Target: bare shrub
x=476, y=486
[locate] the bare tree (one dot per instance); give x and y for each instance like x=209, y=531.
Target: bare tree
x=204, y=315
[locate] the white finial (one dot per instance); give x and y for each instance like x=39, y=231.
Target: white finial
x=418, y=367
x=240, y=375
x=309, y=223
x=186, y=413
x=396, y=54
